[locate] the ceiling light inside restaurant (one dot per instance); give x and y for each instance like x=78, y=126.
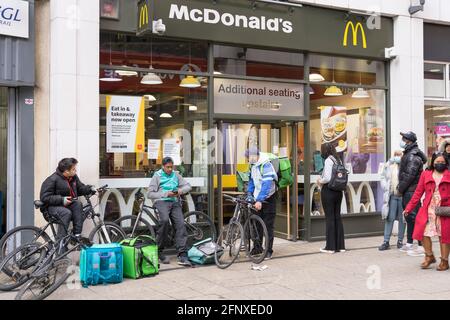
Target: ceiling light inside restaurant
x=150, y=118
x=435, y=70
x=126, y=73
x=193, y=108
x=151, y=78
x=217, y=73
x=165, y=115
x=316, y=77
x=111, y=78
x=150, y=97
x=190, y=82
x=311, y=90
x=333, y=91
x=360, y=94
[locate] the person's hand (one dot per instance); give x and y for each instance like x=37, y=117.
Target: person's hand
x=67, y=201
x=405, y=214
x=258, y=206
x=171, y=194
x=318, y=182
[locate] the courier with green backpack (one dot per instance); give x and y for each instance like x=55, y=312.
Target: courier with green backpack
x=140, y=257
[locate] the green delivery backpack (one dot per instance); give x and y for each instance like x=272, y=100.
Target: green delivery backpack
x=282, y=166
x=140, y=257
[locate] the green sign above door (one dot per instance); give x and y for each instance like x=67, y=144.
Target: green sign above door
x=253, y=23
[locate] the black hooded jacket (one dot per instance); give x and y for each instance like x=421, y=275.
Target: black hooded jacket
x=56, y=187
x=411, y=168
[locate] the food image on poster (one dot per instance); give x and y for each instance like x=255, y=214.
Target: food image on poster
x=371, y=135
x=334, y=126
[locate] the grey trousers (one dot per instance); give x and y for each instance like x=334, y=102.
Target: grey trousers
x=173, y=211
x=73, y=212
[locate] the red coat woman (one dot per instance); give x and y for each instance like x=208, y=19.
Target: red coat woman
x=435, y=183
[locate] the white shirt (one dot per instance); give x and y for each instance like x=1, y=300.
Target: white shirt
x=327, y=171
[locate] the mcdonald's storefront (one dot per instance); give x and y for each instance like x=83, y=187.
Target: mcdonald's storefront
x=210, y=79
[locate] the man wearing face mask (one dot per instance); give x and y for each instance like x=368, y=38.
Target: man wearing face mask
x=262, y=188
x=392, y=201
x=411, y=167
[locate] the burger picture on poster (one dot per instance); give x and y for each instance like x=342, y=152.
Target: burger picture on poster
x=334, y=126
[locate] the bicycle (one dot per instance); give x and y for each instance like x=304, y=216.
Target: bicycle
x=245, y=232
x=103, y=232
x=39, y=269
x=198, y=225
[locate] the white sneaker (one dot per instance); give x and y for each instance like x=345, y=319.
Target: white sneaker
x=418, y=252
x=406, y=247
x=326, y=251
x=342, y=250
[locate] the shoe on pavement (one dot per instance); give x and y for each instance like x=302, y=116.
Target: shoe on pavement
x=268, y=256
x=418, y=252
x=384, y=246
x=342, y=250
x=164, y=259
x=406, y=247
x=323, y=250
x=399, y=244
x=184, y=261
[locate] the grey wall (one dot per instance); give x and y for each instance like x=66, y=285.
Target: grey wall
x=17, y=57
x=127, y=18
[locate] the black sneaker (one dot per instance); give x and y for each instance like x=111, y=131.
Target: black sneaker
x=184, y=261
x=384, y=246
x=268, y=256
x=164, y=259
x=399, y=244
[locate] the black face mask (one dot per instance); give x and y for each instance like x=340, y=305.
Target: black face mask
x=440, y=167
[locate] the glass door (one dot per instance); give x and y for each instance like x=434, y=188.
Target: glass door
x=232, y=168
x=3, y=156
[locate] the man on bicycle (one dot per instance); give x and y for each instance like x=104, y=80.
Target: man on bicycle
x=165, y=188
x=262, y=188
x=60, y=193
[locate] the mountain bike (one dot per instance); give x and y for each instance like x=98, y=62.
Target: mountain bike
x=246, y=232
x=103, y=232
x=198, y=224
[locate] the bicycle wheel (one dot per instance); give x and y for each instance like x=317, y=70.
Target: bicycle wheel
x=17, y=266
x=19, y=236
x=39, y=288
x=143, y=227
x=108, y=232
x=230, y=241
x=256, y=238
x=198, y=227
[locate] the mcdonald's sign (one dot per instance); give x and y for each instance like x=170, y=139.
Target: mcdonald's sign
x=143, y=15
x=355, y=31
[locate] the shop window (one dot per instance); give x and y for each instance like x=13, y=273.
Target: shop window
x=354, y=122
x=142, y=52
x=142, y=123
x=437, y=123
x=348, y=71
x=434, y=80
x=257, y=63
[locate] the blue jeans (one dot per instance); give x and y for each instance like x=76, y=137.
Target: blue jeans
x=395, y=213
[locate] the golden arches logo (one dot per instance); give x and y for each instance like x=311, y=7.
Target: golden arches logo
x=143, y=16
x=355, y=32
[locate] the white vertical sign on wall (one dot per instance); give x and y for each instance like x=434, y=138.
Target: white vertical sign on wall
x=14, y=18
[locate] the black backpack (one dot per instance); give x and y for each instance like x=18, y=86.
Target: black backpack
x=339, y=176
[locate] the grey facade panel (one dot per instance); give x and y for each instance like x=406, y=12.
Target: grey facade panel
x=436, y=42
x=17, y=57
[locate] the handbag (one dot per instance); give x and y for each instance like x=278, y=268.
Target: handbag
x=442, y=211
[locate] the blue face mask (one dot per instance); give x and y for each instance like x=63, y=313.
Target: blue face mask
x=403, y=144
x=397, y=159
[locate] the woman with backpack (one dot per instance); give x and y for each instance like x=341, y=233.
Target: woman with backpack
x=331, y=202
x=433, y=218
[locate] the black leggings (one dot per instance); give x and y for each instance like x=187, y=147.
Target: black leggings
x=331, y=202
x=410, y=218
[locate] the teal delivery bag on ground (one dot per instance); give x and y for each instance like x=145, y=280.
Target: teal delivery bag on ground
x=101, y=264
x=203, y=252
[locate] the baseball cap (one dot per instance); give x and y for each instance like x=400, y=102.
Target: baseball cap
x=411, y=136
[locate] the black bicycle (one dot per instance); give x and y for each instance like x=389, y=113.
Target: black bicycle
x=198, y=225
x=103, y=232
x=40, y=268
x=245, y=232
